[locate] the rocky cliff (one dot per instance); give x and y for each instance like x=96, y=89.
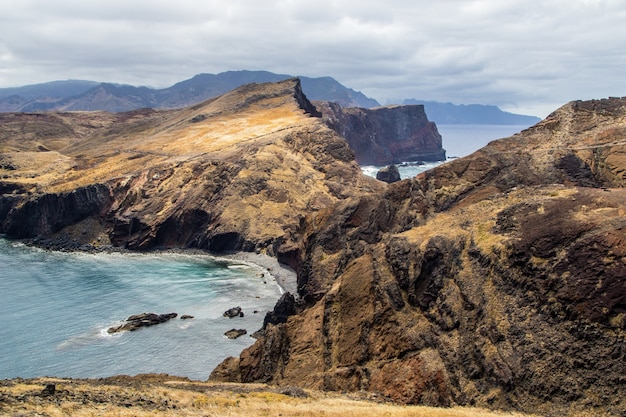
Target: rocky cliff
x=494, y=280
x=236, y=172
x=385, y=135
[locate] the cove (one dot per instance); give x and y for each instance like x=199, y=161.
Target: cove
x=55, y=308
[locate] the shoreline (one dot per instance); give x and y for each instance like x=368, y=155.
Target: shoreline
x=285, y=277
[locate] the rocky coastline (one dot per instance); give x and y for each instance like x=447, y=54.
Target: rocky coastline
x=494, y=280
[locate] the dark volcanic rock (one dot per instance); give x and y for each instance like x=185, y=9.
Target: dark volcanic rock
x=388, y=174
x=385, y=135
x=285, y=307
x=233, y=312
x=235, y=333
x=142, y=320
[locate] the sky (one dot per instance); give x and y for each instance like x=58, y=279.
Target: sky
x=525, y=56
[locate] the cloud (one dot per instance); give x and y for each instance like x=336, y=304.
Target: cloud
x=520, y=55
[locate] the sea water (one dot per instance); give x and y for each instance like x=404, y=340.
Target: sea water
x=55, y=309
x=458, y=141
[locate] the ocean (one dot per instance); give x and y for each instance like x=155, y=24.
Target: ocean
x=458, y=141
x=55, y=309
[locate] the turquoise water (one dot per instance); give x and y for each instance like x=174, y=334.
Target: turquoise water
x=55, y=309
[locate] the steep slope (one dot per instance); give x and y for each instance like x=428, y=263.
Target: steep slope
x=494, y=280
x=385, y=135
x=236, y=172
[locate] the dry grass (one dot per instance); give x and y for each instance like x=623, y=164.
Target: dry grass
x=134, y=397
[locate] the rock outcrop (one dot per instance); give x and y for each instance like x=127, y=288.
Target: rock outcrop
x=385, y=135
x=388, y=174
x=238, y=172
x=494, y=280
x=138, y=321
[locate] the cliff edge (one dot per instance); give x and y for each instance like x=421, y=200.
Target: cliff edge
x=385, y=135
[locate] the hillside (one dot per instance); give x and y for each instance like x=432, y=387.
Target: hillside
x=163, y=395
x=236, y=172
x=495, y=280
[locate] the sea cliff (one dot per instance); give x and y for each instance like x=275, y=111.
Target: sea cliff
x=494, y=280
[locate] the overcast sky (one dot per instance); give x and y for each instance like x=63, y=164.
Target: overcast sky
x=526, y=56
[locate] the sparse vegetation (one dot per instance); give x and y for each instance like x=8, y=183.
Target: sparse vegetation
x=150, y=396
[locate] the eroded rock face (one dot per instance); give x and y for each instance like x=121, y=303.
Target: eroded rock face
x=238, y=172
x=385, y=135
x=494, y=280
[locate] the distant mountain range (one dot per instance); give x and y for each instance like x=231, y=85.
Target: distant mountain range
x=73, y=95
x=448, y=114
x=80, y=95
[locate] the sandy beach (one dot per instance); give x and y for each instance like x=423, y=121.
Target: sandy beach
x=285, y=277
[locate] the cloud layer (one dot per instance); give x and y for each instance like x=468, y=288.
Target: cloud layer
x=527, y=57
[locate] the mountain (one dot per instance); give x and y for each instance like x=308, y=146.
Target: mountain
x=448, y=113
x=91, y=96
x=494, y=280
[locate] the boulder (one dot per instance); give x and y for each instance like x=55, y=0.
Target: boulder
x=388, y=174
x=141, y=320
x=235, y=333
x=233, y=312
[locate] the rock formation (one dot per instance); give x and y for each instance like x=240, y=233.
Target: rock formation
x=235, y=333
x=138, y=321
x=238, y=172
x=385, y=135
x=388, y=174
x=494, y=280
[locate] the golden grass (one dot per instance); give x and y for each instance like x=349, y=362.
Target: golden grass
x=182, y=399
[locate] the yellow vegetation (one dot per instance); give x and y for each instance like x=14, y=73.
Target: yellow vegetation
x=183, y=399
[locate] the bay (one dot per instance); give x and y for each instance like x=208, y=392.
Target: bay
x=55, y=308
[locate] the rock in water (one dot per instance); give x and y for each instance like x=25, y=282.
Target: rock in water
x=388, y=174
x=233, y=312
x=141, y=320
x=235, y=333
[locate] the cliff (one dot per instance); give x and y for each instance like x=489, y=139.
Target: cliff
x=494, y=280
x=385, y=135
x=236, y=172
